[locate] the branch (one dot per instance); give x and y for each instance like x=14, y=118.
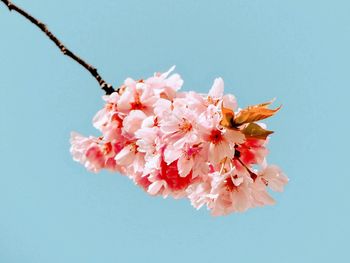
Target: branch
x=251, y=173
x=93, y=71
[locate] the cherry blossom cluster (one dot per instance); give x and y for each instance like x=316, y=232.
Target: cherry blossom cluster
x=183, y=144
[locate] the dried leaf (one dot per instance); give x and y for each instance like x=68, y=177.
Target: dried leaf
x=253, y=130
x=228, y=116
x=255, y=113
x=265, y=104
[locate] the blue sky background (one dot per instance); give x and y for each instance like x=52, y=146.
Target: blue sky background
x=53, y=210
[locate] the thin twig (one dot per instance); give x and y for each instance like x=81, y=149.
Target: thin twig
x=251, y=173
x=103, y=84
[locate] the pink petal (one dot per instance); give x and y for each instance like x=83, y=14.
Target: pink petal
x=125, y=156
x=184, y=166
x=133, y=121
x=155, y=187
x=234, y=136
x=275, y=178
x=166, y=74
x=229, y=101
x=171, y=154
x=217, y=90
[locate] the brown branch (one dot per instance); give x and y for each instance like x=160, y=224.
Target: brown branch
x=103, y=84
x=251, y=173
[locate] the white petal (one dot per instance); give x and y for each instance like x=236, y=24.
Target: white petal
x=217, y=90
x=229, y=101
x=275, y=178
x=166, y=74
x=214, y=155
x=184, y=166
x=234, y=136
x=171, y=154
x=154, y=187
x=125, y=156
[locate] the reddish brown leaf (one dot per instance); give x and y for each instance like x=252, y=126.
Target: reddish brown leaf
x=255, y=113
x=253, y=130
x=227, y=117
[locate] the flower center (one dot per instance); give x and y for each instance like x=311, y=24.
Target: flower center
x=215, y=136
x=110, y=106
x=107, y=148
x=137, y=105
x=192, y=151
x=229, y=185
x=185, y=126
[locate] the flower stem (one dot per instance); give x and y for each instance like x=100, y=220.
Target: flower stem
x=251, y=173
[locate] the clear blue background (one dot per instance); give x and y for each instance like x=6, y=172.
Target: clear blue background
x=53, y=210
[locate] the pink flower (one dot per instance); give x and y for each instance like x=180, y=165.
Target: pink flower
x=130, y=158
x=93, y=153
x=232, y=194
x=79, y=144
x=221, y=141
x=260, y=196
x=190, y=159
x=137, y=96
x=164, y=85
x=273, y=177
x=199, y=192
x=196, y=103
x=172, y=143
x=167, y=181
x=103, y=116
x=142, y=181
x=179, y=127
x=148, y=140
x=132, y=122
x=252, y=151
x=170, y=174
x=162, y=108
